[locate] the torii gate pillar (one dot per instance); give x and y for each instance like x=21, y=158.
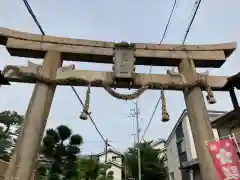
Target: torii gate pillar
x=35, y=121
x=199, y=121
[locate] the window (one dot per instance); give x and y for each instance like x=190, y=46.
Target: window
x=172, y=176
x=179, y=131
x=182, y=158
x=181, y=146
x=114, y=158
x=186, y=175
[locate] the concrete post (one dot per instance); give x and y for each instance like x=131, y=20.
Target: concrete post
x=199, y=121
x=35, y=121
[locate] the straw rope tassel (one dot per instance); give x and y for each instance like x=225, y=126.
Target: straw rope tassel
x=85, y=113
x=165, y=115
x=210, y=96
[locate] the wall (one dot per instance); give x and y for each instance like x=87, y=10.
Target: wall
x=188, y=137
x=229, y=126
x=3, y=168
x=190, y=146
x=109, y=158
x=236, y=129
x=173, y=160
x=223, y=131
x=117, y=172
x=172, y=151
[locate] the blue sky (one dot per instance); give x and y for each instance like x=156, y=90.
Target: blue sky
x=111, y=20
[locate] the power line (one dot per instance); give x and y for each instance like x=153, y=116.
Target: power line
x=194, y=12
x=163, y=37
x=114, y=148
x=166, y=28
x=33, y=16
x=100, y=141
x=74, y=90
x=150, y=121
x=195, y=9
x=150, y=70
x=90, y=117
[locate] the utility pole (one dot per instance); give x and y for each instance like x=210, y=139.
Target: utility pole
x=125, y=166
x=133, y=134
x=139, y=153
x=106, y=148
x=135, y=114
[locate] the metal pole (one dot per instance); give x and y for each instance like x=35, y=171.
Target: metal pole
x=139, y=153
x=134, y=134
x=106, y=146
x=125, y=166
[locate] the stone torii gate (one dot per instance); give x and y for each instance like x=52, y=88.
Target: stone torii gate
x=124, y=56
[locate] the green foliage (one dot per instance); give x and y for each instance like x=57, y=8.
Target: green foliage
x=62, y=154
x=9, y=118
x=11, y=123
x=151, y=163
x=90, y=168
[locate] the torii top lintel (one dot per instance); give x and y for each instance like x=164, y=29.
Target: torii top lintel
x=34, y=45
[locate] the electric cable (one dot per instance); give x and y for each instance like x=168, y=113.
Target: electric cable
x=194, y=12
x=163, y=37
x=114, y=148
x=74, y=90
x=152, y=116
x=90, y=117
x=166, y=28
x=195, y=9
x=33, y=16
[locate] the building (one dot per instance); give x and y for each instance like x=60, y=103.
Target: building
x=182, y=157
x=160, y=144
x=114, y=159
x=230, y=122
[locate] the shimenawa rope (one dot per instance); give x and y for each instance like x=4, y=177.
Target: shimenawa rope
x=38, y=77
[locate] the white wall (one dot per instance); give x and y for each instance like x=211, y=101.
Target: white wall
x=173, y=160
x=172, y=153
x=191, y=152
x=117, y=172
x=190, y=146
x=109, y=158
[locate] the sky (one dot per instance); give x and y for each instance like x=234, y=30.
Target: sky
x=111, y=20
